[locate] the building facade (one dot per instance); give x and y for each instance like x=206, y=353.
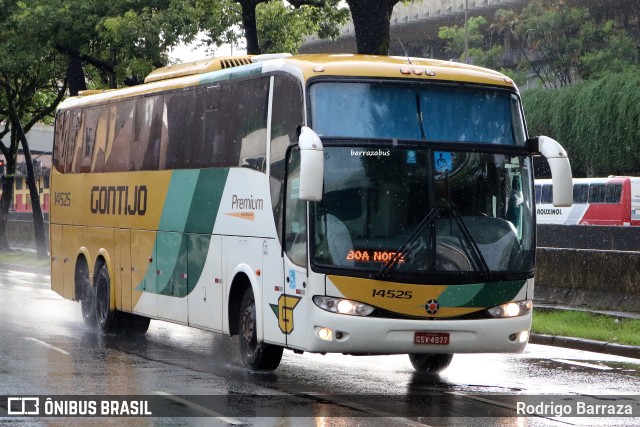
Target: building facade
x=40, y=139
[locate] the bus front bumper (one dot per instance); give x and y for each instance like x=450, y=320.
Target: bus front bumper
x=335, y=333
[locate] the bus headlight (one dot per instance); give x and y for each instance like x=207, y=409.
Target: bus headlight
x=512, y=309
x=343, y=306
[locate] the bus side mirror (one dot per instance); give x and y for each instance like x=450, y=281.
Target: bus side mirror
x=562, y=179
x=311, y=165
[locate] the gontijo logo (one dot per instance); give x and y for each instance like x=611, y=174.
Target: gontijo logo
x=119, y=200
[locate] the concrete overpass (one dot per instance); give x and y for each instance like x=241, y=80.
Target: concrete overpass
x=416, y=24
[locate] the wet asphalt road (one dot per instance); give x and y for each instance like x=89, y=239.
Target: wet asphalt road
x=46, y=350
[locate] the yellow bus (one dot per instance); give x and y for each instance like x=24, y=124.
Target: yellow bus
x=320, y=203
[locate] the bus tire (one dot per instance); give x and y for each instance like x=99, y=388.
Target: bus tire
x=430, y=362
x=136, y=324
x=255, y=356
x=87, y=298
x=108, y=320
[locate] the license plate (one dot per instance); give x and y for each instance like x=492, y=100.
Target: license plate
x=432, y=338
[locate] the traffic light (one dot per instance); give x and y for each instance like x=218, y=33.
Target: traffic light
x=1, y=167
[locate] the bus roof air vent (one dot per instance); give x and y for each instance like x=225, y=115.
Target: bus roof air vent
x=235, y=61
x=197, y=67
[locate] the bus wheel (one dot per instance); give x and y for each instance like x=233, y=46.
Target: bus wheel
x=429, y=362
x=136, y=324
x=87, y=301
x=256, y=356
x=108, y=320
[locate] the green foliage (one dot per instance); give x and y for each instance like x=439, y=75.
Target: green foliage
x=481, y=52
x=281, y=28
x=586, y=325
x=559, y=43
x=563, y=42
x=454, y=36
x=597, y=121
x=122, y=40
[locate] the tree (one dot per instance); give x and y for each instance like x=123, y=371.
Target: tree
x=562, y=43
x=281, y=27
x=47, y=43
x=482, y=50
x=371, y=20
x=31, y=85
x=115, y=43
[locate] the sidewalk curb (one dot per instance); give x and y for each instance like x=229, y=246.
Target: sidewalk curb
x=587, y=345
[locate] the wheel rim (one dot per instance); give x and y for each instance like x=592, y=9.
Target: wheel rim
x=248, y=328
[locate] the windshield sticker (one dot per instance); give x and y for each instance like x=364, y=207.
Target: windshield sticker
x=443, y=162
x=292, y=279
x=412, y=157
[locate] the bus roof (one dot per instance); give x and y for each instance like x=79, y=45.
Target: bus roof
x=309, y=66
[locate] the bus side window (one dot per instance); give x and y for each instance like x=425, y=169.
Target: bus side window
x=580, y=193
x=60, y=131
x=286, y=116
x=71, y=134
x=614, y=191
x=208, y=106
x=538, y=190
x=597, y=193
x=547, y=194
x=584, y=194
x=145, y=150
x=183, y=128
x=295, y=236
x=247, y=130
x=103, y=131
x=90, y=126
x=119, y=142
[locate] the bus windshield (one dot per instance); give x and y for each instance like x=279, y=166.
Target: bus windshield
x=416, y=210
x=419, y=112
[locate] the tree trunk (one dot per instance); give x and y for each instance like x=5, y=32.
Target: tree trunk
x=75, y=76
x=5, y=203
x=38, y=220
x=250, y=26
x=371, y=20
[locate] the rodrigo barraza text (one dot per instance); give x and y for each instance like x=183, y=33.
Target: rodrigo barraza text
x=573, y=409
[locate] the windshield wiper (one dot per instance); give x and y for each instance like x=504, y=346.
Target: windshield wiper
x=475, y=250
x=399, y=253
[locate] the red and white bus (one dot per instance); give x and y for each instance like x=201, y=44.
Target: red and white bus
x=596, y=201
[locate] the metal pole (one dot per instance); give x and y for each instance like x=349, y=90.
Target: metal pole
x=466, y=31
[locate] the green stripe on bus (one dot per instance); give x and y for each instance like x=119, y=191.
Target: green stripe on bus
x=179, y=195
x=480, y=294
x=206, y=200
x=180, y=256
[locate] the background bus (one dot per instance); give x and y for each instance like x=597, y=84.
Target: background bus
x=596, y=201
x=322, y=203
